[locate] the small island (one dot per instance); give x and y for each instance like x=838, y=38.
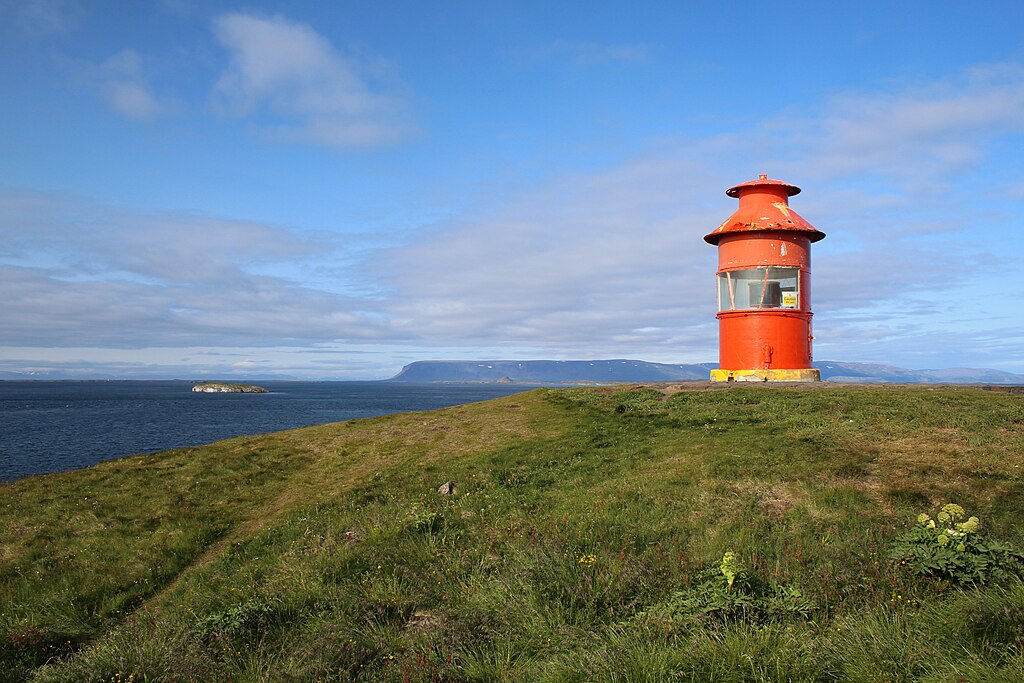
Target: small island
x=228, y=388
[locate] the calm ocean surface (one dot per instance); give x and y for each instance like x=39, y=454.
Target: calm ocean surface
x=57, y=426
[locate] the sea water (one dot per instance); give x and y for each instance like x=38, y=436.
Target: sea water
x=62, y=425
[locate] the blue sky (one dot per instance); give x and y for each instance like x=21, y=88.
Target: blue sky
x=333, y=190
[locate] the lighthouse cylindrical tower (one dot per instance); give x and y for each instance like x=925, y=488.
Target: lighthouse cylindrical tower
x=764, y=287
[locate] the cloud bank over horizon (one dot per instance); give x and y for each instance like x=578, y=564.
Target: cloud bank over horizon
x=917, y=183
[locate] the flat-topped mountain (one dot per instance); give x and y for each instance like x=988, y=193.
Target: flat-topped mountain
x=549, y=371
x=626, y=370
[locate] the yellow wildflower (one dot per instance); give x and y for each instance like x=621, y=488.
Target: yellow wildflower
x=970, y=526
x=954, y=511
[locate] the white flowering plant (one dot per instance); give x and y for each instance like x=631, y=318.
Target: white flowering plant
x=951, y=547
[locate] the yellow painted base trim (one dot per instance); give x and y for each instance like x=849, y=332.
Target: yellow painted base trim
x=780, y=375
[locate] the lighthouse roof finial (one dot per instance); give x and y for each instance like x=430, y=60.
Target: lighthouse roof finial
x=762, y=181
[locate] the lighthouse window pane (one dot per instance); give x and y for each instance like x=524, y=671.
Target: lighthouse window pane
x=759, y=288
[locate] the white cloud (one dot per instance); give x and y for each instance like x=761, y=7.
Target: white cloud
x=293, y=82
x=74, y=273
x=124, y=85
x=350, y=361
x=583, y=264
x=587, y=261
x=37, y=18
x=913, y=136
x=1016, y=190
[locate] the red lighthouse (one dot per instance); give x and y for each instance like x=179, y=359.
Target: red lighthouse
x=764, y=286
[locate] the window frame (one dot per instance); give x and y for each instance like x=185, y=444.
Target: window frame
x=727, y=277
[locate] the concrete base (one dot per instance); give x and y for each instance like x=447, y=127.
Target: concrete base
x=779, y=375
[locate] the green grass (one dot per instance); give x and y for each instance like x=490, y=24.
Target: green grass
x=580, y=517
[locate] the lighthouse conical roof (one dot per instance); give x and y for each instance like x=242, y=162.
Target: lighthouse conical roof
x=764, y=205
x=763, y=181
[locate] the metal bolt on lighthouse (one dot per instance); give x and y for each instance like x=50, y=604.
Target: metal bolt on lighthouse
x=764, y=287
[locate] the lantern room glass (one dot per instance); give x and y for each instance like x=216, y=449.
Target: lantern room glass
x=761, y=288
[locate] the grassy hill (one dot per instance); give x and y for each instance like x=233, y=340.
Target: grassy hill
x=587, y=540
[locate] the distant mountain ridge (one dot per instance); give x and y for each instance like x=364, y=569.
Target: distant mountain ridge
x=556, y=371
x=627, y=370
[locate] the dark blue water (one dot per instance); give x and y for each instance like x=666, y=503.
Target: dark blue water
x=57, y=426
